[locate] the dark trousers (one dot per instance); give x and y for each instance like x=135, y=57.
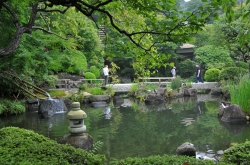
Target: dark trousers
x=198, y=79
x=106, y=79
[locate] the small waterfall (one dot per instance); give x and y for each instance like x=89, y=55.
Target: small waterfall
x=59, y=106
x=49, y=97
x=51, y=106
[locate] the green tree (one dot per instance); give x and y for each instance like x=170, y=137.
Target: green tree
x=233, y=35
x=211, y=54
x=159, y=18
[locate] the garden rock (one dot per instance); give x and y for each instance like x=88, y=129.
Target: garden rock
x=152, y=98
x=233, y=113
x=48, y=108
x=118, y=101
x=216, y=91
x=190, y=92
x=160, y=91
x=99, y=98
x=67, y=102
x=186, y=149
x=83, y=141
x=99, y=104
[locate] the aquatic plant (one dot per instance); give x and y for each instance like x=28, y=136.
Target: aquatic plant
x=240, y=93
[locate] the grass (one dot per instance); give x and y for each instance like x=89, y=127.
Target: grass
x=240, y=94
x=53, y=93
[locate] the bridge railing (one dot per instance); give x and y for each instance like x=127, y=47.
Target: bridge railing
x=156, y=80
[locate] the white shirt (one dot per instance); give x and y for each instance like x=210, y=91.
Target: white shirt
x=105, y=71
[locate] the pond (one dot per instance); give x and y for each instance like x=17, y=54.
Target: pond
x=132, y=129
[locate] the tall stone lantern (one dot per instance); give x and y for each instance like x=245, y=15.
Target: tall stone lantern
x=77, y=137
x=76, y=119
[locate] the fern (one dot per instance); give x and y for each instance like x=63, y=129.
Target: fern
x=96, y=147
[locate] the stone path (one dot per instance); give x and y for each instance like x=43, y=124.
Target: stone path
x=126, y=87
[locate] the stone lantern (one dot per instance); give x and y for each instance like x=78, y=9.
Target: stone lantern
x=76, y=119
x=77, y=137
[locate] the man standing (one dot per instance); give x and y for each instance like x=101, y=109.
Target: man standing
x=198, y=76
x=106, y=74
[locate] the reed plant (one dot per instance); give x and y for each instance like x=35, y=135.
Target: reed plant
x=176, y=83
x=240, y=93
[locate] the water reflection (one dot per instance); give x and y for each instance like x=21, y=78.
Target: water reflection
x=107, y=113
x=132, y=128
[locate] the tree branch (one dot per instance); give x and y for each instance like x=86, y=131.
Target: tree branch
x=48, y=31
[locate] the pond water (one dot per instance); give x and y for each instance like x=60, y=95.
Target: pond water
x=130, y=129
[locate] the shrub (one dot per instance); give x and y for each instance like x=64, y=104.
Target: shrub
x=238, y=154
x=242, y=64
x=51, y=80
x=20, y=146
x=89, y=75
x=176, y=83
x=219, y=66
x=186, y=68
x=212, y=75
x=133, y=89
x=232, y=73
x=95, y=71
x=165, y=159
x=76, y=97
x=10, y=107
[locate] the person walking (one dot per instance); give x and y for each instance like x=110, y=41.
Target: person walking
x=173, y=71
x=106, y=74
x=198, y=76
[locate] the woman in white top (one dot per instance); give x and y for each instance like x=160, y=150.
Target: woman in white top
x=173, y=71
x=106, y=74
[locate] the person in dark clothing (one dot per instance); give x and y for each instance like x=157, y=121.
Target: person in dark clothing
x=198, y=76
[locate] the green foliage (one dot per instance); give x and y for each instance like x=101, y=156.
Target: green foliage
x=83, y=87
x=133, y=89
x=212, y=75
x=210, y=54
x=89, y=75
x=219, y=66
x=76, y=97
x=242, y=65
x=95, y=91
x=113, y=73
x=176, y=83
x=57, y=93
x=50, y=80
x=231, y=35
x=110, y=91
x=232, y=73
x=238, y=154
x=96, y=147
x=186, y=68
x=240, y=93
x=11, y=107
x=37, y=149
x=165, y=159
x=95, y=71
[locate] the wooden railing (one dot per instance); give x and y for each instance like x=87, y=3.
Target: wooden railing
x=158, y=80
